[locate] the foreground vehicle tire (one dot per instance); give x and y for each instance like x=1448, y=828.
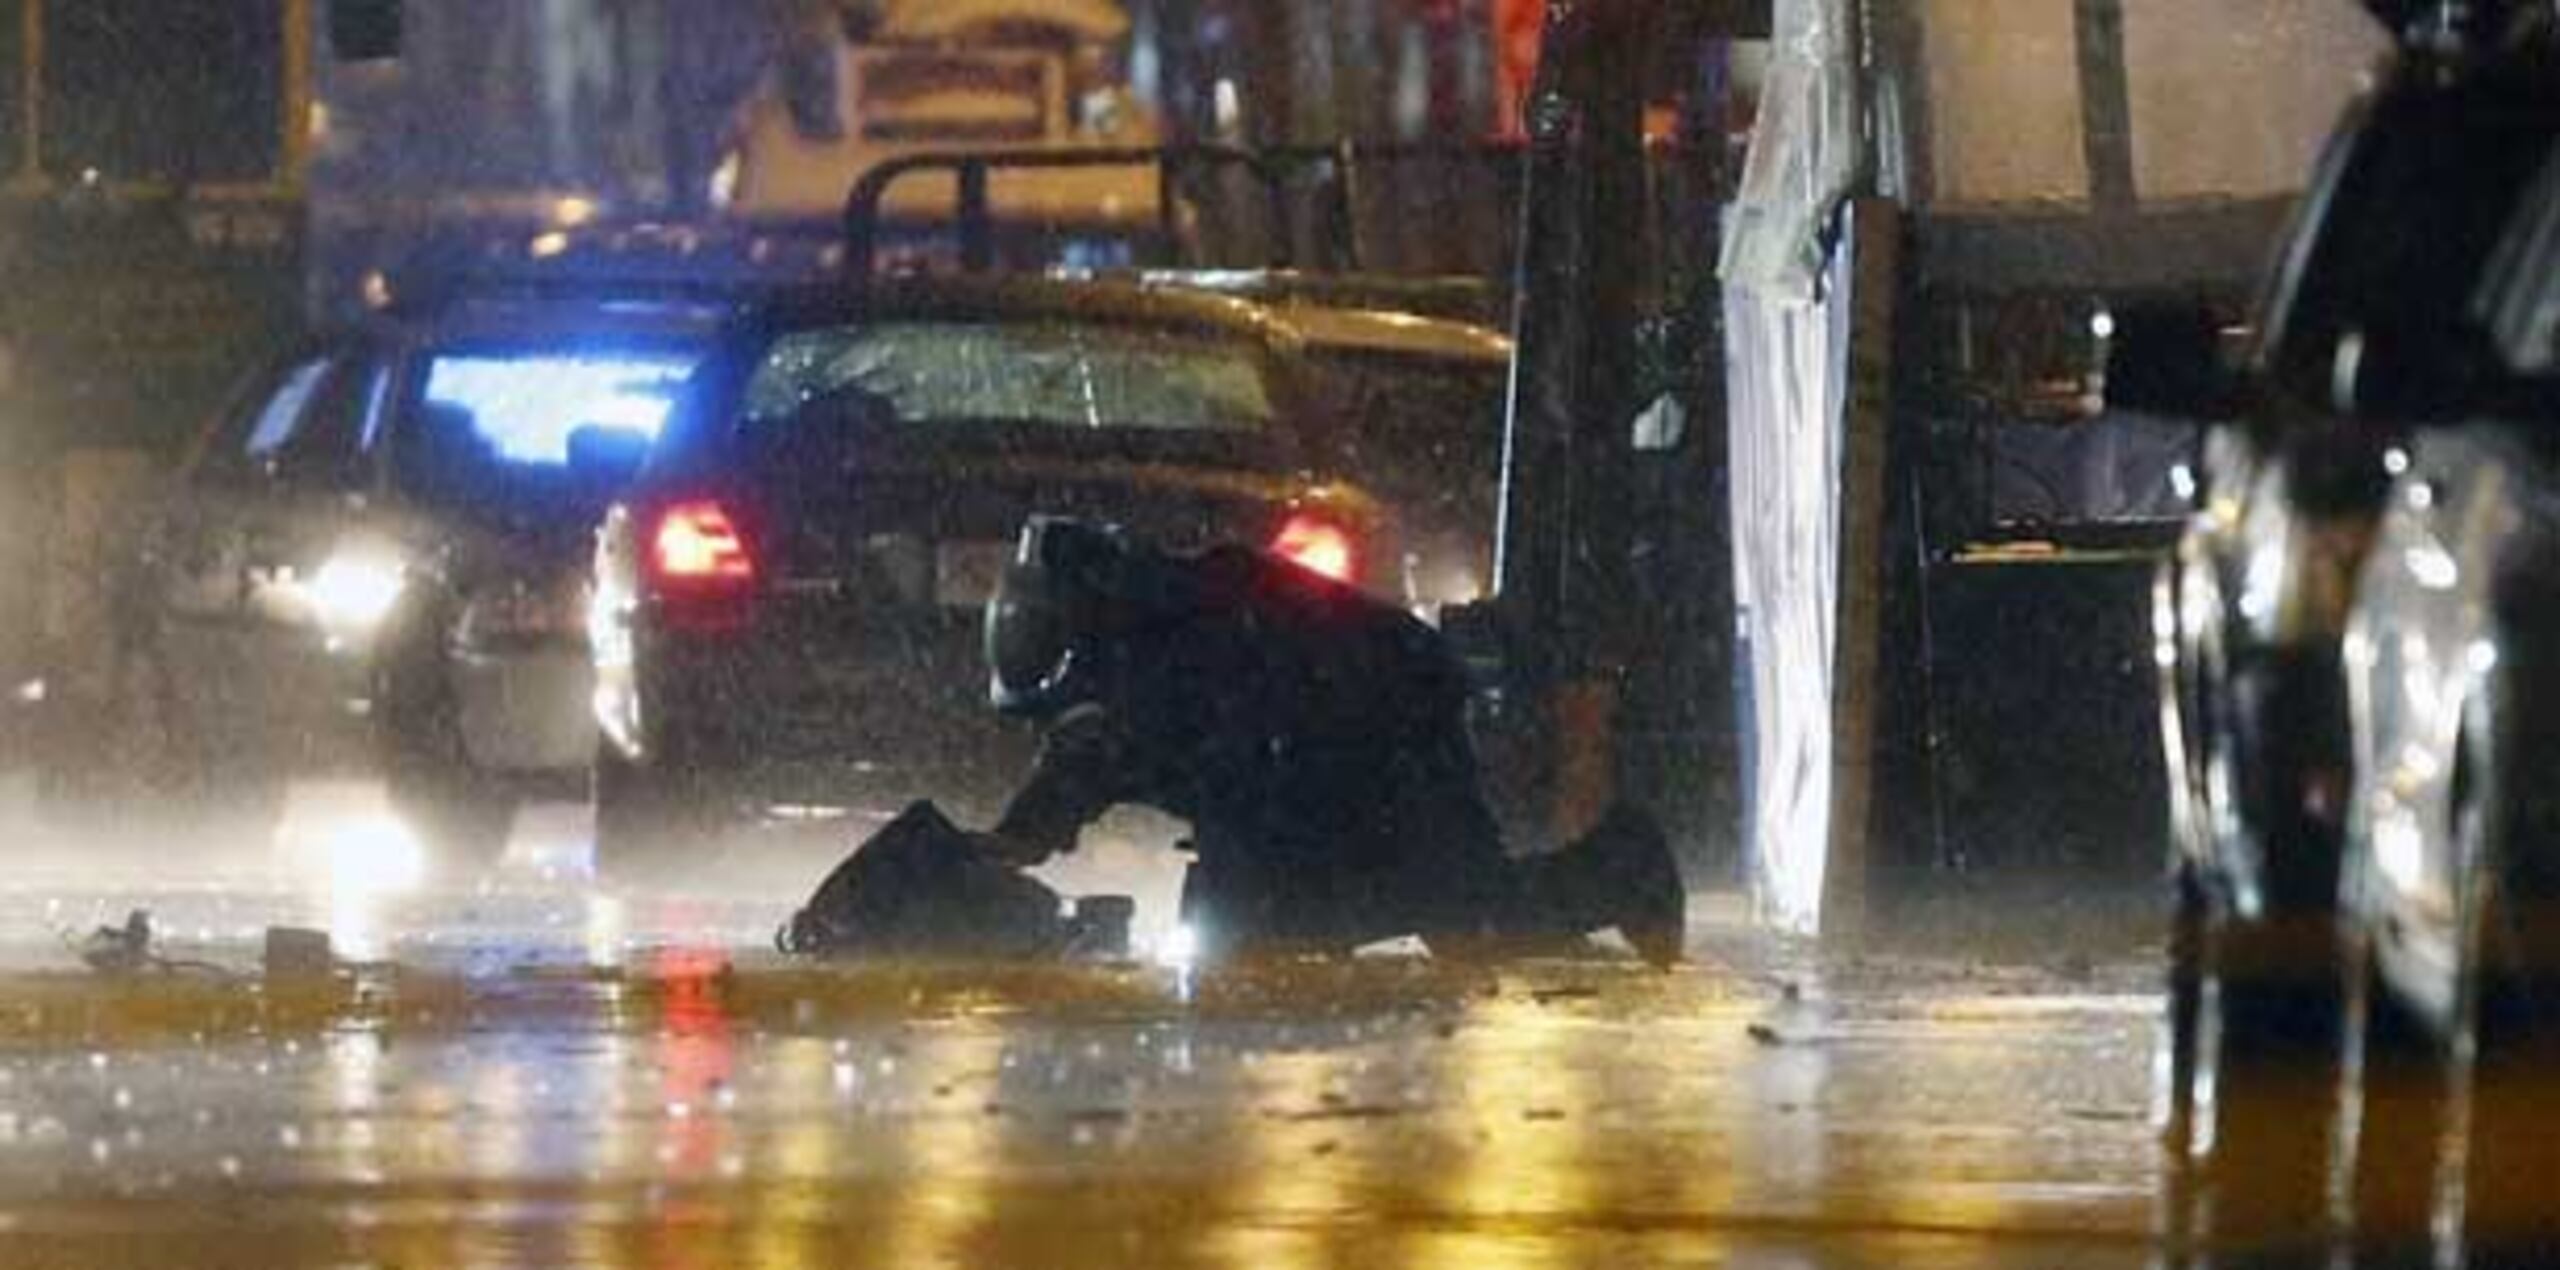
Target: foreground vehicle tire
x=2457, y=1119
x=2502, y=1065
x=2262, y=1094
x=2182, y=1000
x=650, y=821
x=2399, y=1083
x=2503, y=1096
x=461, y=816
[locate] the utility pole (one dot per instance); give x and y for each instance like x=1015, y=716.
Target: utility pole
x=1563, y=560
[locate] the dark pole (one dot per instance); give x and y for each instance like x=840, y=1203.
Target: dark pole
x=2106, y=107
x=1273, y=114
x=1563, y=557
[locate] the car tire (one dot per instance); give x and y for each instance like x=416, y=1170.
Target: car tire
x=462, y=817
x=460, y=814
x=2498, y=1089
x=650, y=819
x=2261, y=1142
x=2181, y=1003
x=2396, y=1066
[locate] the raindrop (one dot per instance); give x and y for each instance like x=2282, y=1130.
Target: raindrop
x=99, y=1150
x=289, y=1137
x=230, y=1166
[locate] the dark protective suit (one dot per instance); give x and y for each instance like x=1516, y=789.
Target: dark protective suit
x=1316, y=740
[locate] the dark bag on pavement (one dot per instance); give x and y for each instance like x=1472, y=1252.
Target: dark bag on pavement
x=920, y=887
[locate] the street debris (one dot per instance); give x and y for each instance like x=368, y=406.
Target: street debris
x=129, y=949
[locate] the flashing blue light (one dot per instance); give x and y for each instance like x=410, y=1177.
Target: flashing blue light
x=527, y=406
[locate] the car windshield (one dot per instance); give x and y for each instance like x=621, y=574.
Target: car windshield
x=1427, y=429
x=496, y=426
x=1047, y=374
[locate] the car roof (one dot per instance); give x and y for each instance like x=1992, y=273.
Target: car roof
x=606, y=321
x=1019, y=297
x=1326, y=329
x=1423, y=317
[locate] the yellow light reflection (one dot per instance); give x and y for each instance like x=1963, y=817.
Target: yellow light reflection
x=792, y=1171
x=353, y=1069
x=1292, y=1168
x=501, y=1141
x=358, y=853
x=1518, y=1119
x=951, y=1152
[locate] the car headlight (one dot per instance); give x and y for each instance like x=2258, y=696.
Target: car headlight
x=355, y=590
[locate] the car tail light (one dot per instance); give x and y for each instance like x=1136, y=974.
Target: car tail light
x=697, y=542
x=701, y=568
x=1317, y=545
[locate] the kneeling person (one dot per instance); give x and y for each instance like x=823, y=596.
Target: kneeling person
x=1315, y=739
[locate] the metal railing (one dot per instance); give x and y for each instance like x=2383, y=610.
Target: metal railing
x=1343, y=170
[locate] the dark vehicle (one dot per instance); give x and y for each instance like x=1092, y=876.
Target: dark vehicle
x=2452, y=868
x=2374, y=339
x=374, y=559
x=788, y=602
x=1412, y=384
x=1414, y=404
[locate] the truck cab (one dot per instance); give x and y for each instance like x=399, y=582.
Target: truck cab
x=909, y=77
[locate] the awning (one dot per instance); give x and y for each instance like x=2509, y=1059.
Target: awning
x=1095, y=21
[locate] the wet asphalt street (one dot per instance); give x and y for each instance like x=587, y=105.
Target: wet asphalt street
x=526, y=1072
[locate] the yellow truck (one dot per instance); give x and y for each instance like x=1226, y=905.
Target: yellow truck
x=928, y=76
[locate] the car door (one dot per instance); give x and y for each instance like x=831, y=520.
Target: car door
x=196, y=551
x=308, y=565
x=249, y=527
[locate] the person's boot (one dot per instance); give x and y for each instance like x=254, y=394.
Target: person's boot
x=1622, y=874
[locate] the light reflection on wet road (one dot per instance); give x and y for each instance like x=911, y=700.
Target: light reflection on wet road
x=536, y=1077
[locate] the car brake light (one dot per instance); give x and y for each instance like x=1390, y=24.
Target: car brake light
x=1316, y=545
x=697, y=542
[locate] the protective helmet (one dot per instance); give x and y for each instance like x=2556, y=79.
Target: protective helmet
x=1041, y=620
